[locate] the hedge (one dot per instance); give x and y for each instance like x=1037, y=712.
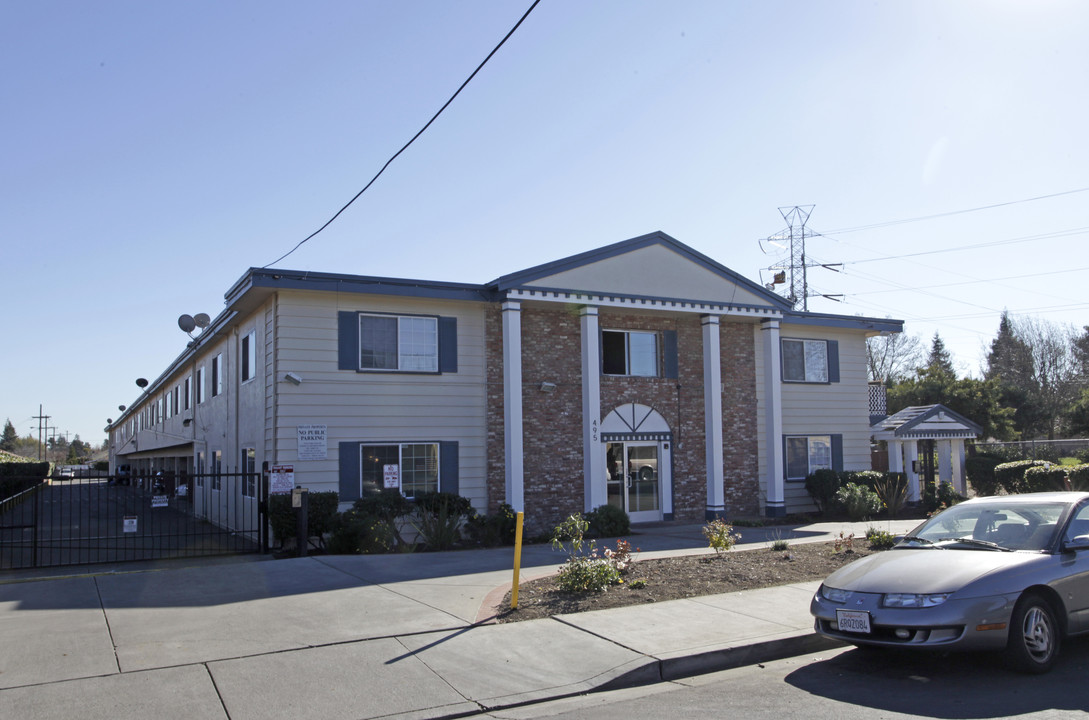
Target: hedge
x=1045, y=478
x=15, y=477
x=1011, y=475
x=320, y=515
x=1079, y=477
x=980, y=470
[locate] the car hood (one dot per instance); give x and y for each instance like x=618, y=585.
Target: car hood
x=925, y=570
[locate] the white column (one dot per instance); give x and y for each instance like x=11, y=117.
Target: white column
x=593, y=450
x=945, y=463
x=773, y=421
x=896, y=456
x=911, y=459
x=960, y=476
x=513, y=473
x=712, y=414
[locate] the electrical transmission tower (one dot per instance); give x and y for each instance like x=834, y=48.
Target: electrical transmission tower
x=791, y=268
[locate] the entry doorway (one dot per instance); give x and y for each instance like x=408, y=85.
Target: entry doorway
x=634, y=481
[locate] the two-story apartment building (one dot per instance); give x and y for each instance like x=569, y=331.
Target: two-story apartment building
x=642, y=374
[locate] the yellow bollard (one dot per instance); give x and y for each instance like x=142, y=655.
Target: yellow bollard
x=517, y=562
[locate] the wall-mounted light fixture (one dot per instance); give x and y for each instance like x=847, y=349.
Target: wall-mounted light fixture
x=187, y=422
x=293, y=378
x=548, y=387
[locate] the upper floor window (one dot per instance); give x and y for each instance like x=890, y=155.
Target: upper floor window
x=629, y=352
x=217, y=374
x=200, y=385
x=188, y=391
x=405, y=342
x=805, y=361
x=249, y=357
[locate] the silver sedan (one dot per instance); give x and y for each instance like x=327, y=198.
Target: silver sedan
x=1007, y=573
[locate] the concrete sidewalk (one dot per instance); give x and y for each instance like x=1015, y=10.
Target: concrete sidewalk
x=367, y=636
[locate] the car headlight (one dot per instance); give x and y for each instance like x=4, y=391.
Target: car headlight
x=834, y=594
x=914, y=600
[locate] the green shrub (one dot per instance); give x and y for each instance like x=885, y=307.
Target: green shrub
x=981, y=475
x=1042, y=478
x=321, y=515
x=720, y=535
x=355, y=532
x=439, y=518
x=493, y=529
x=1011, y=475
x=1078, y=477
x=880, y=539
x=1082, y=456
x=858, y=501
x=608, y=521
x=892, y=489
x=939, y=496
x=866, y=478
x=822, y=486
x=586, y=572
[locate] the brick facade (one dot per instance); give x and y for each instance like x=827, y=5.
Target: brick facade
x=552, y=422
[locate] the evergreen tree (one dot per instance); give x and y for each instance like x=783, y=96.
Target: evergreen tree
x=10, y=440
x=1010, y=364
x=940, y=357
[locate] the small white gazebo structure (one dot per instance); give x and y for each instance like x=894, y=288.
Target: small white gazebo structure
x=934, y=423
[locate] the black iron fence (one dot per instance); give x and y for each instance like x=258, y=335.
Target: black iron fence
x=82, y=520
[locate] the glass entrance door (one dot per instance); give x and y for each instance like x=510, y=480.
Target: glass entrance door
x=634, y=482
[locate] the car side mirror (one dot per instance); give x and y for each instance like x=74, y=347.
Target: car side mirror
x=1074, y=544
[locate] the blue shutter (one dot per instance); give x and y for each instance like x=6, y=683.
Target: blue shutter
x=786, y=474
x=833, y=361
x=349, y=470
x=448, y=344
x=347, y=341
x=448, y=467
x=669, y=354
x=837, y=453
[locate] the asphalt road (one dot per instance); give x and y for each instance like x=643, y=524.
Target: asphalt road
x=849, y=684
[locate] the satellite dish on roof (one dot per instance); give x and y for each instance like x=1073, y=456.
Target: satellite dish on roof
x=141, y=382
x=187, y=323
x=202, y=320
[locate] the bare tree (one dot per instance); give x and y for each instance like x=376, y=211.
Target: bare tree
x=1055, y=367
x=893, y=357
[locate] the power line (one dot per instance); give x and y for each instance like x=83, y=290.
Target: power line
x=414, y=137
x=890, y=223
x=976, y=246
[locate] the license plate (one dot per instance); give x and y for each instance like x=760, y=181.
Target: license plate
x=853, y=621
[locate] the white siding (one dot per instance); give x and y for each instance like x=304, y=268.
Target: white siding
x=377, y=407
x=821, y=409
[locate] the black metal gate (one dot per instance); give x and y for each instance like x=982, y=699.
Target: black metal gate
x=109, y=519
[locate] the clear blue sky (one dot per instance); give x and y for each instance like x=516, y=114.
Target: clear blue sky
x=152, y=151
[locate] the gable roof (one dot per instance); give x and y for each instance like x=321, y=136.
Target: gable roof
x=652, y=266
x=925, y=422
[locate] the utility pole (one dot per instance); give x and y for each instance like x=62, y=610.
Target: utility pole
x=40, y=417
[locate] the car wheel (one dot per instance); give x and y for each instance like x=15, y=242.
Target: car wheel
x=1034, y=639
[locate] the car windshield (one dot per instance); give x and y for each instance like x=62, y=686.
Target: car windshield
x=1011, y=525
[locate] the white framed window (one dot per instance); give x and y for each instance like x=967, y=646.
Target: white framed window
x=413, y=466
x=200, y=385
x=217, y=374
x=249, y=470
x=629, y=352
x=188, y=393
x=807, y=453
x=249, y=356
x=169, y=406
x=805, y=361
x=406, y=343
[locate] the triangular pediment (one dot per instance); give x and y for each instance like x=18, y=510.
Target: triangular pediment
x=652, y=266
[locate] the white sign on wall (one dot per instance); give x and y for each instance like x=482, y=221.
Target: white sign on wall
x=129, y=523
x=313, y=442
x=281, y=479
x=391, y=476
